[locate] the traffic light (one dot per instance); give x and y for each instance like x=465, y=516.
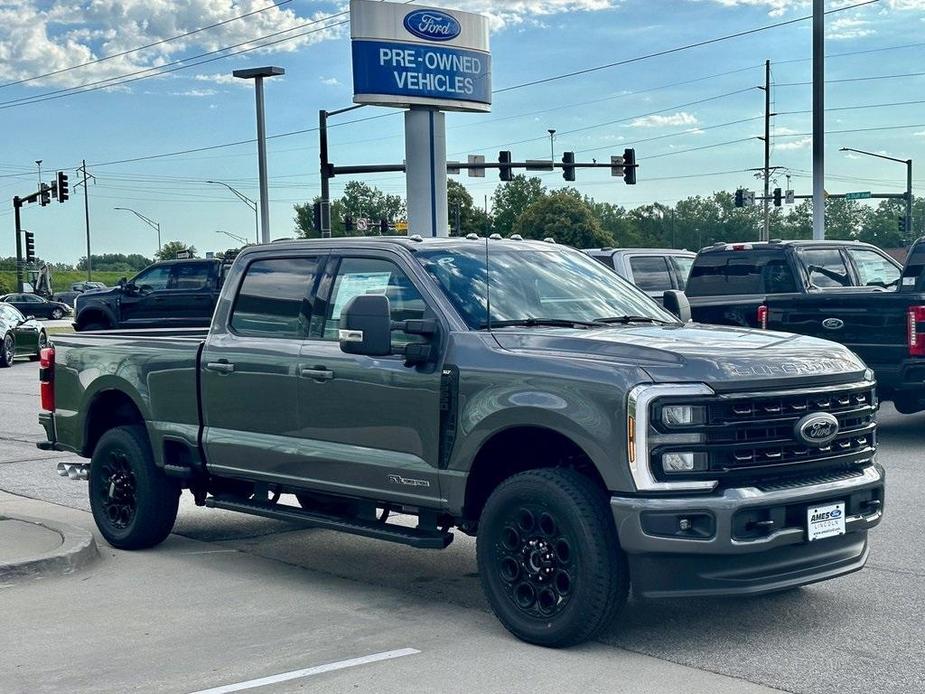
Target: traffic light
x=348, y=223
x=568, y=166
x=901, y=225
x=629, y=167
x=30, y=246
x=316, y=216
x=740, y=197
x=45, y=195
x=778, y=195
x=383, y=226
x=64, y=192
x=505, y=172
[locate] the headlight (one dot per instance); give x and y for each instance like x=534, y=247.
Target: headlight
x=642, y=437
x=683, y=415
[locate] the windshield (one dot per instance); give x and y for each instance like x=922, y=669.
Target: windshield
x=530, y=284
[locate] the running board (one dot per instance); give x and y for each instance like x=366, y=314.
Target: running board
x=414, y=537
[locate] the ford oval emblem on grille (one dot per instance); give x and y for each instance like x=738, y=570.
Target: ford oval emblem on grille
x=833, y=323
x=432, y=25
x=817, y=429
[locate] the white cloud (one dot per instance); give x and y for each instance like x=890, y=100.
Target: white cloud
x=920, y=133
x=198, y=93
x=802, y=143
x=847, y=28
x=38, y=37
x=777, y=8
x=330, y=81
x=657, y=121
x=224, y=78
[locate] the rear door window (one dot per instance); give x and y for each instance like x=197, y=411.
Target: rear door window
x=874, y=270
x=273, y=300
x=190, y=276
x=650, y=273
x=682, y=268
x=826, y=268
x=741, y=272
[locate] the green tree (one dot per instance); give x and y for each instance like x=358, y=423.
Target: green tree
x=471, y=219
x=564, y=216
x=360, y=200
x=170, y=249
x=510, y=200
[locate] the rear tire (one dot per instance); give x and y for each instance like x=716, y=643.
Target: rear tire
x=7, y=350
x=87, y=327
x=134, y=503
x=43, y=342
x=57, y=314
x=549, y=557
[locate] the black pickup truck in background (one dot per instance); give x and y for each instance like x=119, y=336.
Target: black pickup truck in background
x=846, y=291
x=168, y=294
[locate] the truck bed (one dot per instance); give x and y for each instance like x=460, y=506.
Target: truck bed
x=157, y=366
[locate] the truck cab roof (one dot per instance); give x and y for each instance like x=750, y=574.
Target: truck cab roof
x=781, y=245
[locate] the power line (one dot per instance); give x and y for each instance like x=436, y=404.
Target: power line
x=854, y=79
x=854, y=108
x=697, y=44
x=145, y=47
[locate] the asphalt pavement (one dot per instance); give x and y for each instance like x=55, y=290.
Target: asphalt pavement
x=232, y=598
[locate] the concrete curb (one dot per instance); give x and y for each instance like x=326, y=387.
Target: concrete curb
x=77, y=549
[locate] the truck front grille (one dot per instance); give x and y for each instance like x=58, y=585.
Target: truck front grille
x=755, y=435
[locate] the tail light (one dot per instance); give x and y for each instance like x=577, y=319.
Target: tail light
x=916, y=339
x=47, y=378
x=762, y=317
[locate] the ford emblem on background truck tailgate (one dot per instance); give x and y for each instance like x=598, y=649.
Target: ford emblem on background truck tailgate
x=432, y=25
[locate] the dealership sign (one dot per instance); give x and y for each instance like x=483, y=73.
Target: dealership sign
x=405, y=55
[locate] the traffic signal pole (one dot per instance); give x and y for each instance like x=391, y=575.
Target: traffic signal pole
x=17, y=206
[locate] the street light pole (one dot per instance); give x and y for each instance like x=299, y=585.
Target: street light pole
x=818, y=119
x=908, y=163
x=150, y=222
x=552, y=144
x=257, y=74
x=247, y=201
x=239, y=239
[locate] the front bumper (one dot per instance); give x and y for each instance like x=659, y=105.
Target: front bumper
x=745, y=540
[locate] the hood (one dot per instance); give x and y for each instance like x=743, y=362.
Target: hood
x=724, y=357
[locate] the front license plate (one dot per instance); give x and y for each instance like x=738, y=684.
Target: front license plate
x=825, y=521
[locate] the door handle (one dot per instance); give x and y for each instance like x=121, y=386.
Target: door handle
x=317, y=373
x=222, y=367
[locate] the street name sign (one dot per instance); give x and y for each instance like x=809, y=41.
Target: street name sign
x=858, y=196
x=408, y=55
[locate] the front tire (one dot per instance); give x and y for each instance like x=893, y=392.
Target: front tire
x=7, y=350
x=549, y=558
x=134, y=503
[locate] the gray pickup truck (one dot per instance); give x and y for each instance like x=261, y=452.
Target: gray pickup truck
x=398, y=388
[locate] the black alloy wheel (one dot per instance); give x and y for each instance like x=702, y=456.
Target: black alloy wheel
x=57, y=313
x=42, y=344
x=134, y=503
x=549, y=557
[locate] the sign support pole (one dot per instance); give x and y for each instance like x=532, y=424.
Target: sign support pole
x=425, y=161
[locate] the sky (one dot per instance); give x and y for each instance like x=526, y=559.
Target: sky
x=73, y=88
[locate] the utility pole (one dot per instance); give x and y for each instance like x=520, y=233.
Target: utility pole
x=552, y=144
x=818, y=119
x=766, y=233
x=83, y=170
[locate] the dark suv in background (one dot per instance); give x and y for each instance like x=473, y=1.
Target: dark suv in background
x=169, y=294
x=653, y=270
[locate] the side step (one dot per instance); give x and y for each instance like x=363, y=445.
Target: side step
x=414, y=537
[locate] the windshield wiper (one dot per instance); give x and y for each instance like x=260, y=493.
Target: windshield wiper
x=534, y=322
x=630, y=319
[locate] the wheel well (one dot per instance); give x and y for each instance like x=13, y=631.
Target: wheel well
x=93, y=315
x=516, y=450
x=109, y=409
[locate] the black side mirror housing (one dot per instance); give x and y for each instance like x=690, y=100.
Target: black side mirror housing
x=677, y=303
x=366, y=326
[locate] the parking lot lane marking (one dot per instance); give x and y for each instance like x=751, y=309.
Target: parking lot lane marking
x=308, y=672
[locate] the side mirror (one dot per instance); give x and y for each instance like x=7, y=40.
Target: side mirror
x=366, y=326
x=122, y=282
x=677, y=303
x=28, y=318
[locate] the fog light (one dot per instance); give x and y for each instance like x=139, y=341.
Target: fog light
x=682, y=415
x=683, y=462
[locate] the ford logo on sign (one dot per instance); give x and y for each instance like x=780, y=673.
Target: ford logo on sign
x=817, y=429
x=432, y=25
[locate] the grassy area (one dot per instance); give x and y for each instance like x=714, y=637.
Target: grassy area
x=62, y=281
